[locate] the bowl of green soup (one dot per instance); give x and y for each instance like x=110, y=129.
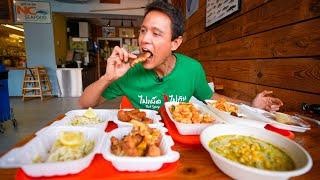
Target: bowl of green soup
x=244, y=152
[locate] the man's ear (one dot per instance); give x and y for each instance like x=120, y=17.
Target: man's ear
x=176, y=43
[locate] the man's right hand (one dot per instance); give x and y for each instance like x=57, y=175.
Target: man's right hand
x=117, y=63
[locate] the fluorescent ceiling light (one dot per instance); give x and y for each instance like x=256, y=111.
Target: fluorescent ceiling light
x=16, y=36
x=13, y=27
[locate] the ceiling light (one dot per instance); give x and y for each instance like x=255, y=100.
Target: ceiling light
x=13, y=27
x=16, y=36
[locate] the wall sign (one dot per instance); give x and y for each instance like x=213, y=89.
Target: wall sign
x=216, y=10
x=108, y=31
x=126, y=32
x=34, y=12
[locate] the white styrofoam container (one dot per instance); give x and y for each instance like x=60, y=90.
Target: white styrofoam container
x=40, y=145
x=245, y=120
x=125, y=163
x=192, y=129
x=149, y=113
x=105, y=115
x=299, y=155
x=258, y=114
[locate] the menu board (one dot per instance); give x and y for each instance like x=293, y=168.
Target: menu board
x=6, y=14
x=216, y=10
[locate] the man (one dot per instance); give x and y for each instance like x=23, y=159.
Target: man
x=163, y=74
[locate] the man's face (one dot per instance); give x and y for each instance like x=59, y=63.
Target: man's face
x=155, y=36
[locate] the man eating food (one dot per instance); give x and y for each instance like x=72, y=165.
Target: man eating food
x=159, y=71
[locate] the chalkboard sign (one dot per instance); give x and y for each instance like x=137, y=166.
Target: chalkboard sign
x=6, y=14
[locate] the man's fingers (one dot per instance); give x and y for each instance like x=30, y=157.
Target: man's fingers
x=268, y=108
x=117, y=52
x=265, y=92
x=276, y=101
x=125, y=55
x=132, y=55
x=274, y=108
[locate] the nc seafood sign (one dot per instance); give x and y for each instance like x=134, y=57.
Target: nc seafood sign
x=34, y=12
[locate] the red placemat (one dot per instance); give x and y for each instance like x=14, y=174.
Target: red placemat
x=172, y=130
x=101, y=169
x=283, y=132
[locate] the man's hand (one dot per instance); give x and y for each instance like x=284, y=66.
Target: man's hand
x=265, y=102
x=117, y=64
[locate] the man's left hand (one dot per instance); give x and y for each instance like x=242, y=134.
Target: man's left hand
x=265, y=102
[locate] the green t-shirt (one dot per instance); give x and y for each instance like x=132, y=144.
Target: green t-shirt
x=146, y=91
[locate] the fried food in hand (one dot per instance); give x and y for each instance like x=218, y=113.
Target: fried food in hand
x=141, y=58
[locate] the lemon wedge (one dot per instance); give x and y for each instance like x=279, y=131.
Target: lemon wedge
x=90, y=113
x=71, y=138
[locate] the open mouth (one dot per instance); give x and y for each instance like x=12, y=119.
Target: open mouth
x=145, y=50
x=146, y=54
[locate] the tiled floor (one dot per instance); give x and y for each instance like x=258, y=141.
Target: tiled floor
x=34, y=114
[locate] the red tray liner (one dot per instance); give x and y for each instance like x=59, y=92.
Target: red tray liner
x=195, y=139
x=172, y=130
x=283, y=132
x=101, y=169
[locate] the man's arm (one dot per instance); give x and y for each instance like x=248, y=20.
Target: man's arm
x=117, y=66
x=91, y=96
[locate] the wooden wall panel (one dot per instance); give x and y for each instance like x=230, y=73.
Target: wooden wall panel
x=236, y=89
x=274, y=14
x=247, y=91
x=269, y=44
x=302, y=74
x=196, y=25
x=293, y=73
x=292, y=99
x=240, y=70
x=301, y=39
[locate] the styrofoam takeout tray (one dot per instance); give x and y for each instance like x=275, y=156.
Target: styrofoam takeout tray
x=105, y=115
x=125, y=163
x=192, y=129
x=247, y=119
x=40, y=145
x=260, y=115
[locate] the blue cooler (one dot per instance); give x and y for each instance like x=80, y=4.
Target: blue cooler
x=4, y=95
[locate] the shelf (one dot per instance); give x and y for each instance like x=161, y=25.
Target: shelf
x=15, y=68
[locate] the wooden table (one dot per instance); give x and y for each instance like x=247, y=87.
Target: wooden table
x=195, y=162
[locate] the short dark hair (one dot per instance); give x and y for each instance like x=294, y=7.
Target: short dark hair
x=175, y=15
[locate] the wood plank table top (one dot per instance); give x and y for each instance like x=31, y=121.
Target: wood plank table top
x=196, y=163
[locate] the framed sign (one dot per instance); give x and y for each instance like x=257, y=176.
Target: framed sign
x=34, y=12
x=126, y=32
x=108, y=31
x=6, y=8
x=216, y=10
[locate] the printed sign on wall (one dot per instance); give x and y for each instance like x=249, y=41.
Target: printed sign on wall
x=34, y=12
x=216, y=10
